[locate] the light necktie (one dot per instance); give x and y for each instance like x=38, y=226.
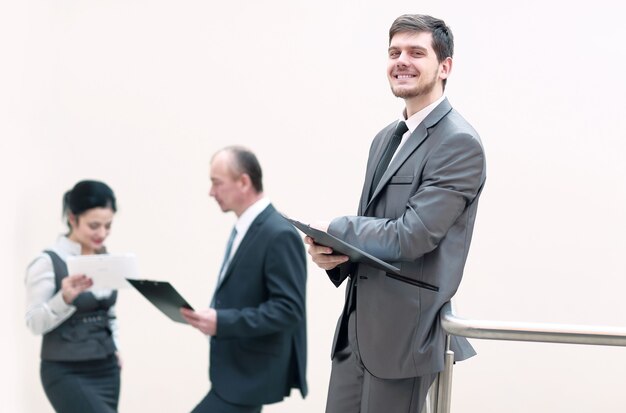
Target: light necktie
x=229, y=247
x=391, y=148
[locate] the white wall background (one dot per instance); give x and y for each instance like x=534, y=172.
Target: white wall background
x=141, y=93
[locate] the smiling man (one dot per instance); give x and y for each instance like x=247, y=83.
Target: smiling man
x=424, y=175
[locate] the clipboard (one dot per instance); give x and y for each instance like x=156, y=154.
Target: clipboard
x=342, y=247
x=164, y=297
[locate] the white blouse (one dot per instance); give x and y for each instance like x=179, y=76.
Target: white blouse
x=45, y=309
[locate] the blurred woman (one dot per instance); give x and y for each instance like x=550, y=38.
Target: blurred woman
x=80, y=367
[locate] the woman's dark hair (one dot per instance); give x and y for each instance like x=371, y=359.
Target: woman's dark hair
x=87, y=195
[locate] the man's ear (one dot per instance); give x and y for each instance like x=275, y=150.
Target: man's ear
x=445, y=68
x=245, y=181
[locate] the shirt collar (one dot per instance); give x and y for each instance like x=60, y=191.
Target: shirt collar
x=415, y=119
x=68, y=246
x=250, y=214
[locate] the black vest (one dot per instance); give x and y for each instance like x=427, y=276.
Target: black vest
x=86, y=335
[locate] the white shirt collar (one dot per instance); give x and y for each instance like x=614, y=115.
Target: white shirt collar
x=243, y=224
x=415, y=119
x=67, y=247
x=249, y=215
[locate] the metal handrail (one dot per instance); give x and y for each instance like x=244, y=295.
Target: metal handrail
x=440, y=394
x=523, y=331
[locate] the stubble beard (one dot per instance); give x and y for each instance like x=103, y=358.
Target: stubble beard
x=419, y=90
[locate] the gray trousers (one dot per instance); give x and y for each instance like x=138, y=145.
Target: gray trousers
x=352, y=389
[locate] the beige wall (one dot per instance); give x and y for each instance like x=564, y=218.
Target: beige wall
x=141, y=93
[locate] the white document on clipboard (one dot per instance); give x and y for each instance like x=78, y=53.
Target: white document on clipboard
x=108, y=271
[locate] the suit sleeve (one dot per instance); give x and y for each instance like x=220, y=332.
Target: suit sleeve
x=451, y=179
x=338, y=274
x=285, y=279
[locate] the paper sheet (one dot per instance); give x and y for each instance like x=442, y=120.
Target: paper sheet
x=108, y=271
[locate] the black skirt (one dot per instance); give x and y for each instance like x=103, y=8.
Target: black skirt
x=82, y=386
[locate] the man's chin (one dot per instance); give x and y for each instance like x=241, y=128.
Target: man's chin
x=404, y=93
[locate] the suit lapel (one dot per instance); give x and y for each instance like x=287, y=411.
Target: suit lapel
x=413, y=142
x=247, y=241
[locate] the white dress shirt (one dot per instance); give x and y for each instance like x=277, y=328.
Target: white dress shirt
x=45, y=309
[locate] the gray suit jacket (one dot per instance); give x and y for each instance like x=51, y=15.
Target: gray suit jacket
x=420, y=218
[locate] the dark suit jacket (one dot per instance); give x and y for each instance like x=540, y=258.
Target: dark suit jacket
x=259, y=351
x=420, y=218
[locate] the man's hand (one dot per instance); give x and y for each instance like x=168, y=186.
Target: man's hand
x=322, y=255
x=204, y=320
x=73, y=285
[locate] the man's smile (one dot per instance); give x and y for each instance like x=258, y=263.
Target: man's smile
x=404, y=76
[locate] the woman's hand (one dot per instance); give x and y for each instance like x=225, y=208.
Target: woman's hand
x=73, y=285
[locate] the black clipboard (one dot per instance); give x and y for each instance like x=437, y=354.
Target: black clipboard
x=342, y=247
x=164, y=297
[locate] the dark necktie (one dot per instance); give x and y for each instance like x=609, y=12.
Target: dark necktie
x=391, y=148
x=229, y=247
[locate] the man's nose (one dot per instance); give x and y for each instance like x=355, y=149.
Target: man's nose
x=402, y=59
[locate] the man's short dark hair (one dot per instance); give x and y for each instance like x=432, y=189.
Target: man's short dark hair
x=246, y=162
x=443, y=41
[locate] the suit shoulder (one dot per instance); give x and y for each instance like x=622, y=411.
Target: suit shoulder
x=459, y=125
x=386, y=130
x=454, y=130
x=277, y=224
x=380, y=136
